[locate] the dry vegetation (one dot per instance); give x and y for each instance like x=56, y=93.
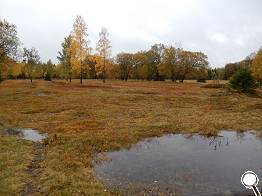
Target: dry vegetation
x=98, y=117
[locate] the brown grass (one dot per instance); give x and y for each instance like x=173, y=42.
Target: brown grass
x=100, y=117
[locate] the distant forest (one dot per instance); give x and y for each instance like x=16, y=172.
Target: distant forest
x=78, y=61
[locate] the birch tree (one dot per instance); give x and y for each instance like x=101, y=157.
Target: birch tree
x=79, y=48
x=31, y=59
x=65, y=58
x=103, y=48
x=9, y=43
x=256, y=67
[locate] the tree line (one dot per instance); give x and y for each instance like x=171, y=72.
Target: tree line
x=159, y=63
x=77, y=60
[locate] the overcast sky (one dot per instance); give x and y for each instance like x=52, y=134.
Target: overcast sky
x=226, y=30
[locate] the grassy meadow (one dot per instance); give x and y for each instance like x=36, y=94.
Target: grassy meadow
x=82, y=121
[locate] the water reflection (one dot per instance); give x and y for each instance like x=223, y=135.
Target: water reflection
x=217, y=142
x=32, y=135
x=183, y=164
x=27, y=134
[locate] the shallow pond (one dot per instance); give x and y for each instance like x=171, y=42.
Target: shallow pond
x=41, y=94
x=27, y=134
x=183, y=164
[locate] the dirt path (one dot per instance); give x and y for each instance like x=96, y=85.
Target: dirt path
x=34, y=170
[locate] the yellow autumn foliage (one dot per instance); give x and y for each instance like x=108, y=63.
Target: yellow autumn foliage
x=256, y=66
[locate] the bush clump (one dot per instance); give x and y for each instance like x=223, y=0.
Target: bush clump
x=218, y=85
x=48, y=76
x=201, y=80
x=243, y=81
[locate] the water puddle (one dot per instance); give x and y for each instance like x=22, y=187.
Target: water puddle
x=183, y=164
x=27, y=134
x=41, y=94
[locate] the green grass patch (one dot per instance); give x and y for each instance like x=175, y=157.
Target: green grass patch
x=15, y=156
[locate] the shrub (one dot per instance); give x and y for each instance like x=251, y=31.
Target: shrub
x=48, y=76
x=214, y=86
x=202, y=80
x=243, y=81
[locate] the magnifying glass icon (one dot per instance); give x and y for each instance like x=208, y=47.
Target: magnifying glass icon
x=250, y=180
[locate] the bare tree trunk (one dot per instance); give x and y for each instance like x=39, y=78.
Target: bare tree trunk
x=70, y=75
x=104, y=71
x=81, y=75
x=182, y=79
x=173, y=78
x=104, y=80
x=66, y=73
x=1, y=79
